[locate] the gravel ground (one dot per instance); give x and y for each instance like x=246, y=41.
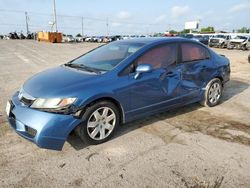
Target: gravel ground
x=188, y=147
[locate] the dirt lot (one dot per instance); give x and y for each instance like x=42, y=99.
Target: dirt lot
x=192, y=146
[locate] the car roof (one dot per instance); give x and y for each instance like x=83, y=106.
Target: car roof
x=151, y=40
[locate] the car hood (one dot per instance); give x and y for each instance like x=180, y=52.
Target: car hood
x=237, y=40
x=218, y=38
x=56, y=82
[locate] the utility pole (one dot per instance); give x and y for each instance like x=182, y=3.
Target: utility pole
x=55, y=21
x=27, y=25
x=82, y=27
x=107, y=24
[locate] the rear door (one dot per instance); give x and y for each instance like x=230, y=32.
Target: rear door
x=196, y=68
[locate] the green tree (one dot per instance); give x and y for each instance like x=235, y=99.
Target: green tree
x=184, y=31
x=207, y=29
x=173, y=32
x=243, y=30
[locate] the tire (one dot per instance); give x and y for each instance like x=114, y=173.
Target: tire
x=244, y=48
x=213, y=93
x=249, y=58
x=96, y=128
x=221, y=45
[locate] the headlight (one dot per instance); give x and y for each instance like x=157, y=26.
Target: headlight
x=54, y=103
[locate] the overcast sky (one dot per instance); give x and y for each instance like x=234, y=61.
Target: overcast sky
x=123, y=16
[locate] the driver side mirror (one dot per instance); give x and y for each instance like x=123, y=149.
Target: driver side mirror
x=142, y=68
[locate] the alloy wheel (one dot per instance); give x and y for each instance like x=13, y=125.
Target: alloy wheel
x=214, y=93
x=101, y=123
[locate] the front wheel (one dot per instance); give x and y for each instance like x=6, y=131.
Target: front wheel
x=213, y=93
x=99, y=123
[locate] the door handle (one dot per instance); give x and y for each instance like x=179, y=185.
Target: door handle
x=170, y=74
x=166, y=74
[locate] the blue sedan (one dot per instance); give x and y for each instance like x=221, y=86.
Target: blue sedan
x=114, y=84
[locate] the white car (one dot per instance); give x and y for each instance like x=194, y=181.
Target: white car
x=88, y=39
x=239, y=42
x=219, y=41
x=79, y=39
x=68, y=38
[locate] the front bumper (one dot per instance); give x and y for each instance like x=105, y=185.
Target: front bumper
x=46, y=130
x=217, y=44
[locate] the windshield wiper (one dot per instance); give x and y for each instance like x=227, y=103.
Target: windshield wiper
x=81, y=66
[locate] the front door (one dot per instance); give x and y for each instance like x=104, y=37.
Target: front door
x=157, y=89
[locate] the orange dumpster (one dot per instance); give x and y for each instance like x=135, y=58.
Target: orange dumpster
x=53, y=37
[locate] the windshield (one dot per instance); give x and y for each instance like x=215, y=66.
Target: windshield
x=220, y=36
x=187, y=36
x=240, y=37
x=198, y=36
x=106, y=57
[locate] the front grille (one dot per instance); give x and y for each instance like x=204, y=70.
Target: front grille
x=30, y=131
x=235, y=43
x=214, y=40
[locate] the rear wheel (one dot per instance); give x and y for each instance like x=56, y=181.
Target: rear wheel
x=99, y=123
x=213, y=93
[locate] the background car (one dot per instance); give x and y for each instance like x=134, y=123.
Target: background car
x=68, y=38
x=187, y=36
x=200, y=38
x=220, y=41
x=79, y=38
x=239, y=42
x=88, y=39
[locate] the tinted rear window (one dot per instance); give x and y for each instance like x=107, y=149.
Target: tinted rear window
x=193, y=52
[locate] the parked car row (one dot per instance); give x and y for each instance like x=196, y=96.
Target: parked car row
x=230, y=42
x=99, y=39
x=15, y=35
x=71, y=38
x=221, y=40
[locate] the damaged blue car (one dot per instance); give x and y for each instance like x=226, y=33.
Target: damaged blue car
x=115, y=84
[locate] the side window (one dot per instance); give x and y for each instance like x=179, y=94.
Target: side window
x=193, y=52
x=159, y=57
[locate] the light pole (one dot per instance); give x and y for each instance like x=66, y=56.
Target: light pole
x=82, y=27
x=55, y=21
x=27, y=25
x=107, y=24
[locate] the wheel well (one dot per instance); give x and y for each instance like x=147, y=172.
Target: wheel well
x=221, y=79
x=115, y=102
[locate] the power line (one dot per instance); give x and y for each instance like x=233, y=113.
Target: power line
x=85, y=23
x=85, y=17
